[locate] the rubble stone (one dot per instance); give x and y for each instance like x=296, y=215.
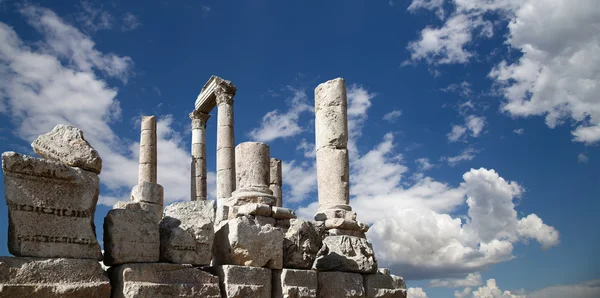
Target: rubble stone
x=66, y=144
x=255, y=209
x=283, y=213
x=51, y=208
x=131, y=235
x=340, y=284
x=326, y=214
x=341, y=232
x=243, y=241
x=381, y=285
x=243, y=281
x=187, y=233
x=52, y=278
x=294, y=283
x=347, y=254
x=346, y=224
x=301, y=243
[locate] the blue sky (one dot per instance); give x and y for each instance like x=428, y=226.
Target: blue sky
x=473, y=124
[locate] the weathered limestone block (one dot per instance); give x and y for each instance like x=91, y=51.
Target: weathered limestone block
x=331, y=120
x=326, y=214
x=283, y=213
x=250, y=196
x=333, y=178
x=245, y=241
x=347, y=254
x=154, y=209
x=243, y=281
x=294, y=283
x=187, y=233
x=341, y=232
x=160, y=280
x=131, y=235
x=382, y=285
x=66, y=144
x=346, y=224
x=49, y=278
x=264, y=220
x=254, y=209
x=148, y=192
x=283, y=223
x=340, y=284
x=302, y=241
x=51, y=208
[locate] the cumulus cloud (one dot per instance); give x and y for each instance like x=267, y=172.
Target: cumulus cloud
x=473, y=127
x=41, y=91
x=491, y=290
x=392, y=116
x=471, y=280
x=586, y=289
x=416, y=293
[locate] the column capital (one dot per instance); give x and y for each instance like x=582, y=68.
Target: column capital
x=224, y=95
x=197, y=115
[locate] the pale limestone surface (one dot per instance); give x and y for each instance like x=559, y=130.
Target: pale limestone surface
x=382, y=285
x=331, y=121
x=187, y=233
x=294, y=283
x=131, y=235
x=253, y=209
x=66, y=144
x=275, y=180
x=340, y=284
x=63, y=198
x=246, y=241
x=283, y=213
x=148, y=157
x=198, y=174
x=277, y=193
x=252, y=165
x=347, y=254
x=154, y=209
x=225, y=141
x=346, y=224
x=148, y=192
x=243, y=281
x=162, y=280
x=341, y=232
x=50, y=278
x=333, y=178
x=301, y=242
x=323, y=215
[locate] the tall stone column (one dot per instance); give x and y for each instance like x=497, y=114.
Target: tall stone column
x=147, y=166
x=331, y=130
x=198, y=174
x=275, y=181
x=253, y=168
x=225, y=144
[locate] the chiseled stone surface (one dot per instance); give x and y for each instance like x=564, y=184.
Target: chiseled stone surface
x=243, y=281
x=162, y=280
x=51, y=208
x=326, y=214
x=131, y=235
x=301, y=243
x=294, y=283
x=49, y=278
x=347, y=254
x=66, y=144
x=244, y=241
x=382, y=285
x=187, y=233
x=154, y=209
x=331, y=120
x=283, y=213
x=148, y=192
x=346, y=224
x=254, y=209
x=340, y=284
x=252, y=165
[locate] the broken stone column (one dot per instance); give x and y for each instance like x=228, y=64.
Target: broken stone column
x=252, y=175
x=199, y=155
x=225, y=142
x=340, y=284
x=52, y=278
x=187, y=233
x=276, y=181
x=147, y=166
x=293, y=283
x=243, y=281
x=162, y=280
x=51, y=208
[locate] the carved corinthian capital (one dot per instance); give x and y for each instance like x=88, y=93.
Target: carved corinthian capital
x=199, y=119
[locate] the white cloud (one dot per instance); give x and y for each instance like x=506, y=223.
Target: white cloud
x=519, y=131
x=471, y=280
x=130, y=22
x=94, y=19
x=299, y=180
x=474, y=125
x=457, y=133
x=436, y=5
x=464, y=89
x=424, y=164
x=466, y=155
x=463, y=294
x=276, y=125
x=416, y=293
x=532, y=227
x=587, y=289
x=392, y=116
x=491, y=290
x=582, y=158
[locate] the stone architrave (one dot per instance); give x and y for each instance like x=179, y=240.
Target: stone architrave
x=148, y=155
x=382, y=285
x=340, y=284
x=131, y=235
x=347, y=254
x=245, y=241
x=51, y=208
x=275, y=181
x=252, y=165
x=243, y=281
x=301, y=242
x=162, y=280
x=52, y=278
x=187, y=233
x=294, y=283
x=66, y=144
x=198, y=174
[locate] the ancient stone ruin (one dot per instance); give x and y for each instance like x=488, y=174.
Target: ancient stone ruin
x=243, y=244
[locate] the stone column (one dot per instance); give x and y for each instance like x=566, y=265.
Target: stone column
x=147, y=167
x=331, y=129
x=275, y=180
x=252, y=175
x=225, y=145
x=198, y=174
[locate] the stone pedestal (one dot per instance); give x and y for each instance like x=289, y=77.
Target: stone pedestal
x=52, y=278
x=162, y=280
x=243, y=282
x=275, y=181
x=340, y=284
x=198, y=155
x=186, y=232
x=347, y=254
x=252, y=175
x=293, y=283
x=51, y=208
